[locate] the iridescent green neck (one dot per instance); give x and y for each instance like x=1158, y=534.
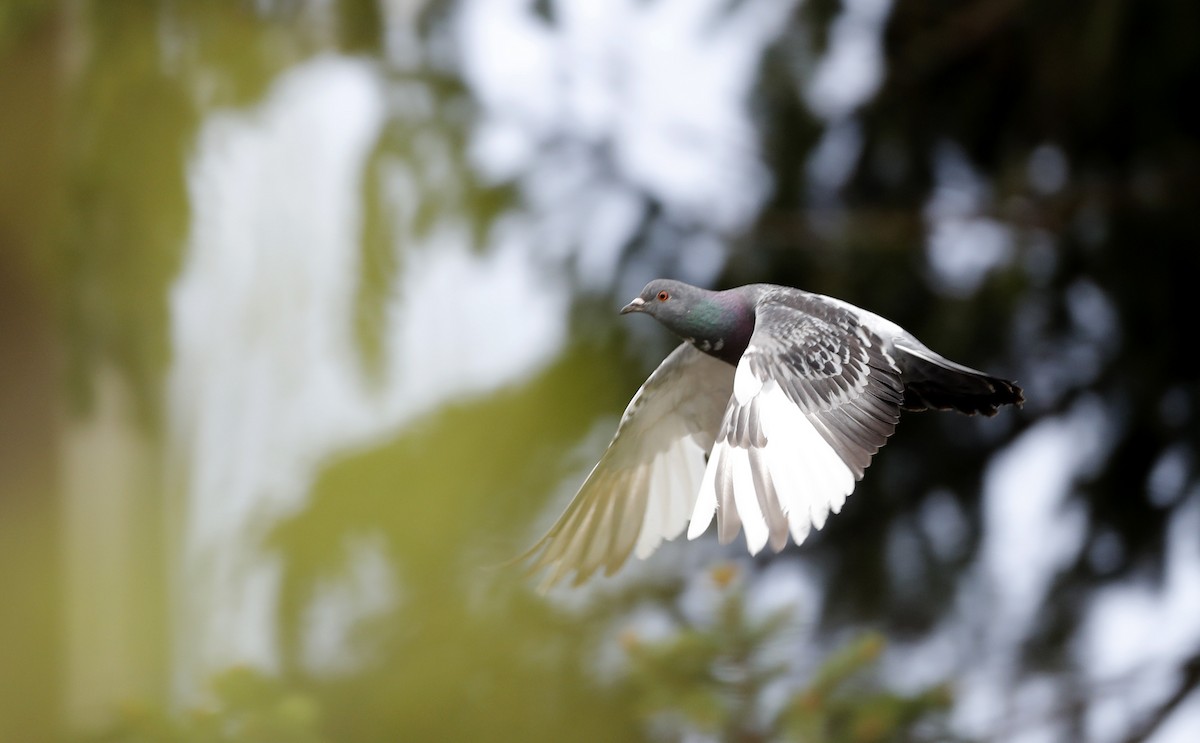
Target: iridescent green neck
x=719, y=325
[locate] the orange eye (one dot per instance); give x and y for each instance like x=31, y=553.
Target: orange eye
x=663, y=296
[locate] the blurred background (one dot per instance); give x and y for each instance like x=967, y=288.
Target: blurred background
x=308, y=320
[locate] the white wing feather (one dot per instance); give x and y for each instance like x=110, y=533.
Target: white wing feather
x=814, y=397
x=643, y=490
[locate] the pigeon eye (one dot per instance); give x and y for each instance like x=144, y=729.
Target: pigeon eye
x=663, y=296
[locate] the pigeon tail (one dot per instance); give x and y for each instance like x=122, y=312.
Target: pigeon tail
x=932, y=382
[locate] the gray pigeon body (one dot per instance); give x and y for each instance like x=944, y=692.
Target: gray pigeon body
x=765, y=417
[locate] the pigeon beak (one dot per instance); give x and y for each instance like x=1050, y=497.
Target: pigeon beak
x=634, y=306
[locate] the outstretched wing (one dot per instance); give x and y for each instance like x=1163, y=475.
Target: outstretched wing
x=815, y=395
x=643, y=489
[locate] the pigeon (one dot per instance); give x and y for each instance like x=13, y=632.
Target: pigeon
x=764, y=417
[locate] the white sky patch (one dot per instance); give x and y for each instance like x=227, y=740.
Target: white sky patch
x=468, y=322
x=944, y=524
x=1140, y=632
x=831, y=162
x=1182, y=725
x=259, y=389
x=847, y=76
x=365, y=587
x=705, y=255
x=616, y=214
x=963, y=251
x=852, y=69
x=644, y=98
x=401, y=41
x=265, y=382
x=963, y=245
x=1169, y=475
x=1031, y=532
x=786, y=585
x=1094, y=318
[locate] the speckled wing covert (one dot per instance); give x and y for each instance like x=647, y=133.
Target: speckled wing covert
x=815, y=395
x=643, y=489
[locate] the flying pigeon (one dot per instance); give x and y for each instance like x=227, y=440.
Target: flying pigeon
x=764, y=417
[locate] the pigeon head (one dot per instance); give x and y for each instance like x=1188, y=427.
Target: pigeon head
x=717, y=323
x=667, y=301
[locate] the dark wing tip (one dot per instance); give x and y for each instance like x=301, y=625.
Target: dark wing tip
x=1004, y=392
x=930, y=386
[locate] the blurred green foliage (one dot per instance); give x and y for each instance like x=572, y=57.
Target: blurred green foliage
x=538, y=682
x=715, y=679
x=248, y=706
x=17, y=17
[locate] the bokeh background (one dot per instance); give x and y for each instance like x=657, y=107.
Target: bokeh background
x=308, y=321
